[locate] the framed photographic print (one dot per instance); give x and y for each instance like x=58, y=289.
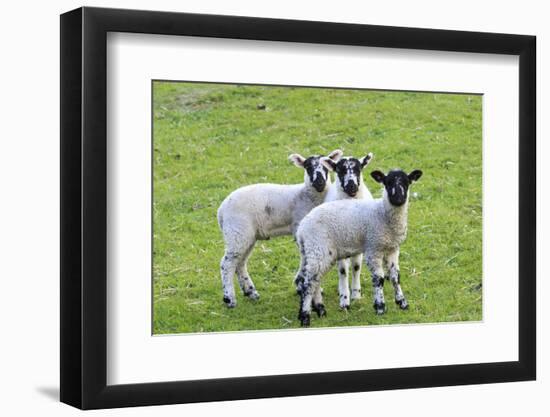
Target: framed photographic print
x=257, y=207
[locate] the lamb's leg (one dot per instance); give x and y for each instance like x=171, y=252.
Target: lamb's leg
x=356, y=277
x=239, y=240
x=302, y=272
x=317, y=302
x=343, y=283
x=311, y=295
x=245, y=282
x=374, y=263
x=395, y=278
x=306, y=298
x=299, y=279
x=228, y=265
x=314, y=264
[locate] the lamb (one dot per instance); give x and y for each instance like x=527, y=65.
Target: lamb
x=345, y=228
x=261, y=211
x=350, y=184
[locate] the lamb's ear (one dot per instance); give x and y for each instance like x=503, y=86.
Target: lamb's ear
x=335, y=155
x=415, y=175
x=297, y=160
x=378, y=176
x=328, y=163
x=366, y=160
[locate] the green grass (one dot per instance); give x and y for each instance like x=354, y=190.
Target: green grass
x=210, y=139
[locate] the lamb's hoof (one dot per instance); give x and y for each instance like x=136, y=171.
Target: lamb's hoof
x=403, y=305
x=355, y=295
x=253, y=295
x=379, y=308
x=305, y=319
x=320, y=310
x=344, y=302
x=229, y=303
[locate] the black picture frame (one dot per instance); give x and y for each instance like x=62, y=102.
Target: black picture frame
x=84, y=207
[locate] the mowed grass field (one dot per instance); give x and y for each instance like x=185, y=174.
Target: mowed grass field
x=210, y=139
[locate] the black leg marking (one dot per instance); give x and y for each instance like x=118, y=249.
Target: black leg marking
x=305, y=319
x=231, y=256
x=400, y=299
x=319, y=309
x=228, y=302
x=299, y=283
x=252, y=294
x=379, y=304
x=403, y=305
x=377, y=281
x=302, y=250
x=346, y=306
x=379, y=308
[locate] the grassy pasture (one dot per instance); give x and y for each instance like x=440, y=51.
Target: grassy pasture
x=209, y=139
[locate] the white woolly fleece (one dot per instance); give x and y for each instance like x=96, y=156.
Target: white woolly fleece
x=344, y=228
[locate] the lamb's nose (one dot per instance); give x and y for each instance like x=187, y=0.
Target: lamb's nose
x=319, y=185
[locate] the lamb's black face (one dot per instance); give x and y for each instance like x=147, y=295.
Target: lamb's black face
x=348, y=171
x=397, y=184
x=316, y=172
